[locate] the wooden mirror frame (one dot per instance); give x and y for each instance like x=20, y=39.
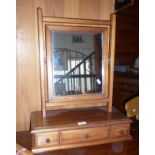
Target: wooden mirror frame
x=45, y=26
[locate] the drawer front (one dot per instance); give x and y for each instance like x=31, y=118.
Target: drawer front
x=83, y=135
x=120, y=130
x=46, y=139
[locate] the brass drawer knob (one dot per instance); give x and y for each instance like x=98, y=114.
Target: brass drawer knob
x=47, y=140
x=86, y=136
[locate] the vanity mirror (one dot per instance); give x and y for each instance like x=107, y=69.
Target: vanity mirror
x=74, y=56
x=77, y=63
x=76, y=72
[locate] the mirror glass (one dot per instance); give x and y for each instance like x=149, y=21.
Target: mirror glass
x=77, y=62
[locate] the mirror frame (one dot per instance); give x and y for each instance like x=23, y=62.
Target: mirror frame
x=48, y=24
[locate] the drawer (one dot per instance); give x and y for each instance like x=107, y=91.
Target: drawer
x=46, y=139
x=84, y=135
x=120, y=130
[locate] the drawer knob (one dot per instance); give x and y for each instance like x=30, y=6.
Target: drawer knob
x=86, y=136
x=47, y=140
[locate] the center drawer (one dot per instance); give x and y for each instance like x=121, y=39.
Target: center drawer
x=83, y=135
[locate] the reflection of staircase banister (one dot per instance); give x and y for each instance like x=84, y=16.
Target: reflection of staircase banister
x=78, y=65
x=71, y=50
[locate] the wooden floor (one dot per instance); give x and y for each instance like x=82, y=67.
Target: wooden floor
x=130, y=147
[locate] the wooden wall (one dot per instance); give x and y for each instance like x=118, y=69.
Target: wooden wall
x=27, y=71
x=127, y=35
x=28, y=84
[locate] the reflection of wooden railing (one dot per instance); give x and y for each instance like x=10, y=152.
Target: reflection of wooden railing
x=77, y=66
x=76, y=79
x=69, y=51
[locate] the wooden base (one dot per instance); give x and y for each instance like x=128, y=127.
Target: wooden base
x=63, y=129
x=129, y=147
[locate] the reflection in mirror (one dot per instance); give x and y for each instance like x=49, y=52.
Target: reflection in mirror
x=77, y=62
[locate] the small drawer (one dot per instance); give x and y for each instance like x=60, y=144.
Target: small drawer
x=46, y=139
x=120, y=130
x=83, y=135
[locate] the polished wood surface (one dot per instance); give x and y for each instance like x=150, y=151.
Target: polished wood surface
x=60, y=119
x=61, y=129
x=28, y=82
x=130, y=147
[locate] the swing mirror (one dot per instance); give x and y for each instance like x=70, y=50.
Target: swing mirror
x=76, y=72
x=77, y=63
